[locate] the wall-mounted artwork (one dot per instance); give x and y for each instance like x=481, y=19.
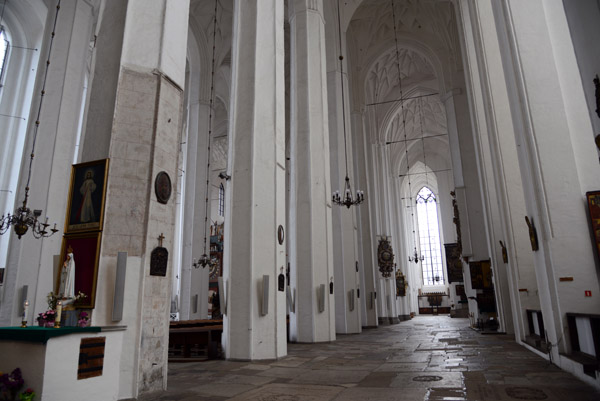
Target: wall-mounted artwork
x=453, y=263
x=400, y=284
x=481, y=274
x=85, y=207
x=593, y=199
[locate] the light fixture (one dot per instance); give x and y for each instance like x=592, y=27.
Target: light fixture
x=416, y=258
x=346, y=199
x=23, y=218
x=205, y=260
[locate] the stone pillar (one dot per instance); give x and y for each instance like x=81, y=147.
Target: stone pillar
x=311, y=253
x=345, y=255
x=194, y=280
x=255, y=196
x=367, y=253
x=29, y=259
x=501, y=151
x=556, y=155
x=387, y=285
x=137, y=87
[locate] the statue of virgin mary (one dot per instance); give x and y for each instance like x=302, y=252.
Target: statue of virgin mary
x=67, y=278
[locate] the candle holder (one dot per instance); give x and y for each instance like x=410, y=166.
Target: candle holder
x=57, y=324
x=23, y=324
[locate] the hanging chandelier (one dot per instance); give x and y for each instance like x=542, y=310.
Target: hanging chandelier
x=416, y=258
x=347, y=198
x=24, y=218
x=206, y=260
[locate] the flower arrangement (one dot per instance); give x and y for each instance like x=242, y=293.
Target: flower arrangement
x=27, y=395
x=53, y=299
x=48, y=316
x=79, y=297
x=83, y=319
x=10, y=384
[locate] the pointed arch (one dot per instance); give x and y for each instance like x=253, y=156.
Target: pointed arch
x=429, y=237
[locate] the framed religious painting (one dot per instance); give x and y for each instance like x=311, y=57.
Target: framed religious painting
x=593, y=200
x=476, y=275
x=85, y=204
x=78, y=269
x=453, y=263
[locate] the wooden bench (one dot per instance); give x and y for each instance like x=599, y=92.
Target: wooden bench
x=203, y=334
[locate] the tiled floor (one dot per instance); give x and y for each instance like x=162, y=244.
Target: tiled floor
x=426, y=358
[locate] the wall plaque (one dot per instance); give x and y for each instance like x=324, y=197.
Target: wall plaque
x=91, y=357
x=162, y=187
x=159, y=259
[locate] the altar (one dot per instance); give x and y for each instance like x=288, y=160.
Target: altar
x=68, y=363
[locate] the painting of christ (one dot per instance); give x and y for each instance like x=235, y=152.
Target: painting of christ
x=86, y=196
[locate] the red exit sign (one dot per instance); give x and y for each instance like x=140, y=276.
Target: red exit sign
x=588, y=293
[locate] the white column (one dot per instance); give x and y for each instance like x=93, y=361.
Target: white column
x=137, y=87
x=30, y=260
x=194, y=280
x=346, y=283
x=387, y=285
x=367, y=254
x=491, y=107
x=256, y=192
x=311, y=253
x=556, y=154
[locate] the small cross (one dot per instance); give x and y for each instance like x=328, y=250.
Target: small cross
x=160, y=239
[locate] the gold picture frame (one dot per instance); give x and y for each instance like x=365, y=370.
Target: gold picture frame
x=593, y=202
x=86, y=256
x=87, y=195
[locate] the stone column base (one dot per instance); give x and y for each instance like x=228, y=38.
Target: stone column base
x=384, y=321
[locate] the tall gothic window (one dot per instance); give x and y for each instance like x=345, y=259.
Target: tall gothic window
x=429, y=238
x=221, y=200
x=4, y=45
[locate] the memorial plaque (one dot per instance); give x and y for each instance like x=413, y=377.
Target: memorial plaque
x=162, y=187
x=91, y=357
x=158, y=261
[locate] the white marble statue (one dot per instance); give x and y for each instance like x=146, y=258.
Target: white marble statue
x=67, y=278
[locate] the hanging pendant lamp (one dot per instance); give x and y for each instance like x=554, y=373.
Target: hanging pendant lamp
x=346, y=198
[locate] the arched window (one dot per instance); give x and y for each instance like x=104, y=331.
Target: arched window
x=221, y=200
x=4, y=45
x=429, y=238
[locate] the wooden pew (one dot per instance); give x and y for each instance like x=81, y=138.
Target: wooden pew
x=205, y=334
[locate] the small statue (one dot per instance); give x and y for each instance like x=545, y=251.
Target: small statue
x=67, y=278
x=533, y=238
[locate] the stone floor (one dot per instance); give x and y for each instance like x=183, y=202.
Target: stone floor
x=426, y=358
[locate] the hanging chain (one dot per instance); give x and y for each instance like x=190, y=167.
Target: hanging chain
x=43, y=92
x=403, y=115
x=342, y=85
x=210, y=112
